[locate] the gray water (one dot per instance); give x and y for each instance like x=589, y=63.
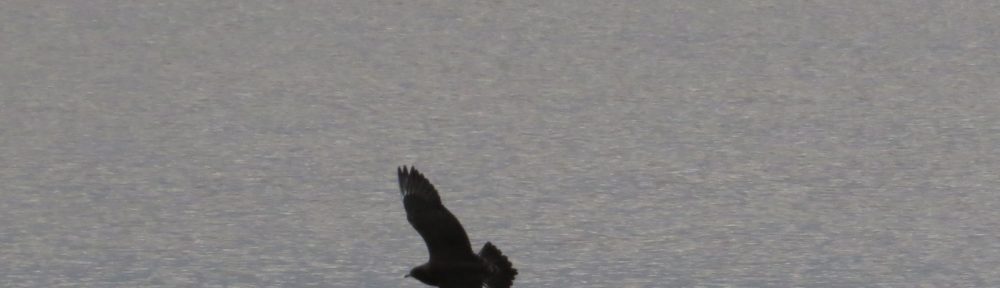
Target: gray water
x=647, y=144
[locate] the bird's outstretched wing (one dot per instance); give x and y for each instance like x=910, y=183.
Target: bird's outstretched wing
x=445, y=238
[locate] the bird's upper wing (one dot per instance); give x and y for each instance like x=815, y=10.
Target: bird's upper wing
x=446, y=239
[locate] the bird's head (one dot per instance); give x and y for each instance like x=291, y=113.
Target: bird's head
x=423, y=274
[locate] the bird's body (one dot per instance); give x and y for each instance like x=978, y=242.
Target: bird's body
x=436, y=274
x=452, y=262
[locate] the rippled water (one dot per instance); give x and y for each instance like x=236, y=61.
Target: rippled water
x=254, y=144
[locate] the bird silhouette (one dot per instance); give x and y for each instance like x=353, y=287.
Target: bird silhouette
x=452, y=262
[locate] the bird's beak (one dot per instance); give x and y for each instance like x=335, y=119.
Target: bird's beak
x=407, y=275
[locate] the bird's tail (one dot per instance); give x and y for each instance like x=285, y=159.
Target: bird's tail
x=502, y=272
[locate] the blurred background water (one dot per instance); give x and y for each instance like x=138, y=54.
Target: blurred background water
x=597, y=143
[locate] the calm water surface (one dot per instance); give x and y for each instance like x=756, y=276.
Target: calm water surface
x=254, y=144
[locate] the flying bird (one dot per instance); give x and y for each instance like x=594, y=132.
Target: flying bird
x=452, y=263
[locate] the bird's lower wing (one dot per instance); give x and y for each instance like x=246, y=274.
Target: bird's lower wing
x=462, y=284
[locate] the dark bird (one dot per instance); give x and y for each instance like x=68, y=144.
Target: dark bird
x=452, y=263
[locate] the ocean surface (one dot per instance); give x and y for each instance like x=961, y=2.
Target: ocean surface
x=597, y=143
